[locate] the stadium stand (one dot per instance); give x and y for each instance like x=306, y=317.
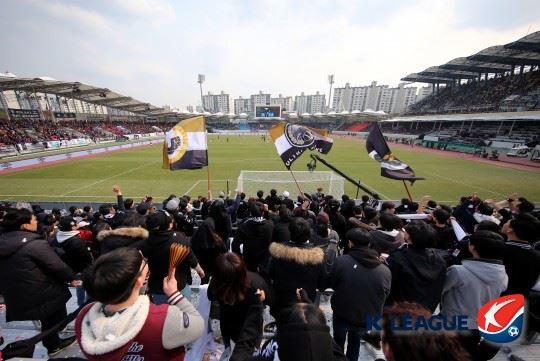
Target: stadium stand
x=488, y=81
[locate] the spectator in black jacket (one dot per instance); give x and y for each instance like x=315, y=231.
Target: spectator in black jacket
x=73, y=251
x=157, y=249
x=446, y=237
x=302, y=335
x=337, y=220
x=521, y=261
x=295, y=264
x=418, y=272
x=210, y=239
x=281, y=231
x=362, y=268
x=236, y=289
x=253, y=239
x=130, y=234
x=34, y=279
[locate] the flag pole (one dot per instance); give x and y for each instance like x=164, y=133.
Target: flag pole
x=297, y=185
x=208, y=183
x=407, y=189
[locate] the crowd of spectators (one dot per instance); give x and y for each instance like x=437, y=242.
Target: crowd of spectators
x=378, y=258
x=483, y=96
x=17, y=132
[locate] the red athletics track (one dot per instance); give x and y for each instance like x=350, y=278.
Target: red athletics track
x=504, y=161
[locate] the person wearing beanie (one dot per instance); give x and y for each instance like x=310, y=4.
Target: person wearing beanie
x=289, y=203
x=371, y=278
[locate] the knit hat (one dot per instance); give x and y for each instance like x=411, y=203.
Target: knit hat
x=322, y=218
x=172, y=205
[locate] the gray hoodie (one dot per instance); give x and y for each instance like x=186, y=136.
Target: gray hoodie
x=470, y=285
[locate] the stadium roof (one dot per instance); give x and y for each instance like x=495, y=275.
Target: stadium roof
x=448, y=73
x=495, y=59
x=418, y=78
x=464, y=64
x=530, y=42
x=88, y=93
x=500, y=54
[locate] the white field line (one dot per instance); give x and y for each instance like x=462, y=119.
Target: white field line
x=193, y=186
x=467, y=185
x=106, y=179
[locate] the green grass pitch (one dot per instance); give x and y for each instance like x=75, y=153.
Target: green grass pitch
x=139, y=171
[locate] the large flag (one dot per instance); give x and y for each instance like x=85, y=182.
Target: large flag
x=291, y=140
x=391, y=167
x=185, y=145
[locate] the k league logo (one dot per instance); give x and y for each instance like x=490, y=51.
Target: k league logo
x=501, y=320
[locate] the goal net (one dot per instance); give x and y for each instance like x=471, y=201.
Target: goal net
x=250, y=182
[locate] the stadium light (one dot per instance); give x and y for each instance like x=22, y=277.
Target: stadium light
x=200, y=80
x=331, y=81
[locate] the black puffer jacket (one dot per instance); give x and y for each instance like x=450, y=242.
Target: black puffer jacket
x=295, y=266
x=121, y=237
x=33, y=278
x=73, y=251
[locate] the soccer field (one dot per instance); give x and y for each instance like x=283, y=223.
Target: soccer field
x=139, y=172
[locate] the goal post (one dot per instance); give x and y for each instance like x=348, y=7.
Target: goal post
x=250, y=182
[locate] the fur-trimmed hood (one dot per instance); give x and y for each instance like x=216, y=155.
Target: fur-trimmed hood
x=297, y=253
x=131, y=232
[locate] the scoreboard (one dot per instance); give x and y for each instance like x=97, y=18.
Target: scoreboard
x=268, y=111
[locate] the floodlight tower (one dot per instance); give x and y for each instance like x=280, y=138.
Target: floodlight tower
x=200, y=80
x=331, y=81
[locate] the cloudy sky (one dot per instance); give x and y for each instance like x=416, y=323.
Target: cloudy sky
x=154, y=49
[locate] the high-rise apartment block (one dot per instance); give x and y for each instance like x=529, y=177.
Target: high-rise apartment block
x=374, y=97
x=214, y=103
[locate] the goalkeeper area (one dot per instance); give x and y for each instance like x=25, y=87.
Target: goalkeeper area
x=250, y=182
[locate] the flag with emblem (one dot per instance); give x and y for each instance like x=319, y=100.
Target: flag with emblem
x=185, y=145
x=391, y=167
x=292, y=140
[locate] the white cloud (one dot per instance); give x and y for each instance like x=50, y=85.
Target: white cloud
x=65, y=12
x=158, y=11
